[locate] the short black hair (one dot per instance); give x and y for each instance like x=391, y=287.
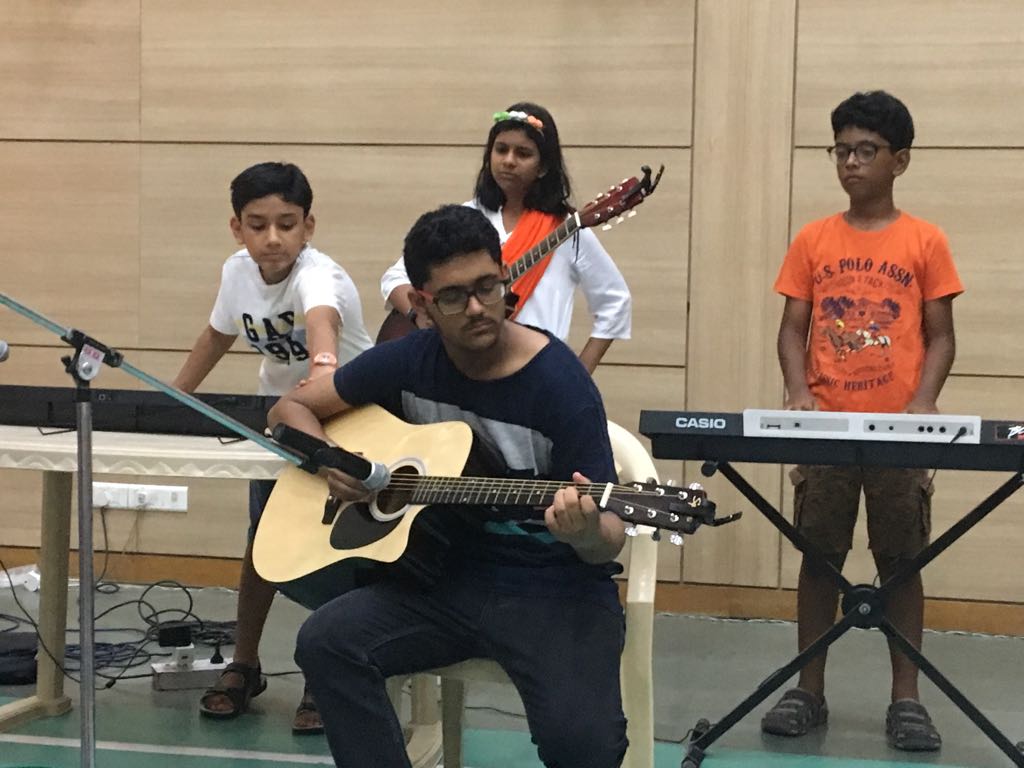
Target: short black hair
x=442, y=234
x=550, y=193
x=283, y=179
x=876, y=111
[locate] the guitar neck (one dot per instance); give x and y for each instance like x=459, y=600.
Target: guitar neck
x=561, y=233
x=486, y=491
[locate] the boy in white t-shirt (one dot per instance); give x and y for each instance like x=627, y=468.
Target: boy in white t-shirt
x=301, y=311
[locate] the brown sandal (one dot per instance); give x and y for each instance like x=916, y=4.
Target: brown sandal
x=307, y=720
x=909, y=727
x=797, y=712
x=253, y=684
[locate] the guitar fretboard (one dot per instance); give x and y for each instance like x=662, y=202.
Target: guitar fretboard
x=561, y=233
x=488, y=491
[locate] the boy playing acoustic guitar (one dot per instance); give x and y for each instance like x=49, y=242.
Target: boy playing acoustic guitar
x=536, y=595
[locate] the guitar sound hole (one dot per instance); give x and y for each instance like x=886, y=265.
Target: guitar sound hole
x=390, y=500
x=356, y=527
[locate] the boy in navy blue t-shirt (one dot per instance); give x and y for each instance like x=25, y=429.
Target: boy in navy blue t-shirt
x=535, y=594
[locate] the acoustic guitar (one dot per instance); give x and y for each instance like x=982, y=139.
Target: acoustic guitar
x=623, y=197
x=301, y=532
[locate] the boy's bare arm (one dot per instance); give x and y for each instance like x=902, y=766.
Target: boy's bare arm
x=940, y=350
x=593, y=351
x=323, y=326
x=209, y=348
x=792, y=347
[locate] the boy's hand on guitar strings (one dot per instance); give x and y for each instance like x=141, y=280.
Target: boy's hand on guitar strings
x=572, y=518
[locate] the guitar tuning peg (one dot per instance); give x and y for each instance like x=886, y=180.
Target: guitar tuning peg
x=676, y=538
x=631, y=214
x=695, y=487
x=670, y=481
x=656, y=535
x=605, y=227
x=631, y=530
x=620, y=219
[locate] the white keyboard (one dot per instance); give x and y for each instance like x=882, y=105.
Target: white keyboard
x=903, y=427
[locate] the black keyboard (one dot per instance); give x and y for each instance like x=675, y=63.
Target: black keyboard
x=125, y=410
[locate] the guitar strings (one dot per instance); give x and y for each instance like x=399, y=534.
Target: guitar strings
x=416, y=482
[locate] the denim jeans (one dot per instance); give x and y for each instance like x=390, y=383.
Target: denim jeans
x=560, y=647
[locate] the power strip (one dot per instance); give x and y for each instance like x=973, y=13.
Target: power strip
x=173, y=676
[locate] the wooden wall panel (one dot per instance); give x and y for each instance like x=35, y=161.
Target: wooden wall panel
x=626, y=391
x=982, y=565
x=385, y=107
x=411, y=72
x=70, y=219
x=976, y=196
x=741, y=172
x=364, y=200
x=958, y=66
x=214, y=525
x=363, y=215
x=651, y=250
x=41, y=367
x=70, y=70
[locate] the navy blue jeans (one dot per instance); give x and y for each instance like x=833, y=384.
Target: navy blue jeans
x=561, y=652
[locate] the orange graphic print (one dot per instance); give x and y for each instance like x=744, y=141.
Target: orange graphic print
x=857, y=324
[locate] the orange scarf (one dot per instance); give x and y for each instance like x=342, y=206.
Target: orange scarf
x=532, y=227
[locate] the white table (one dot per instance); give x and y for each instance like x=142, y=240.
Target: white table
x=56, y=456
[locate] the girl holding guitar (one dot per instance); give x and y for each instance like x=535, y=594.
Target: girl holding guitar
x=523, y=189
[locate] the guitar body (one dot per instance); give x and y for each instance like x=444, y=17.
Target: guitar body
x=292, y=539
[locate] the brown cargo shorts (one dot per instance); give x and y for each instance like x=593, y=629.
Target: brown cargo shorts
x=898, y=502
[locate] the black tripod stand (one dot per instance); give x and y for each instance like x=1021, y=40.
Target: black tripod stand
x=863, y=605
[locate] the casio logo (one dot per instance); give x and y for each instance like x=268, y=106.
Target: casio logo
x=692, y=422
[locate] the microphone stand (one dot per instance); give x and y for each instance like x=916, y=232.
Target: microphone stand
x=83, y=366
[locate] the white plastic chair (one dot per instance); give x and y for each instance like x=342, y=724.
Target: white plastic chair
x=633, y=462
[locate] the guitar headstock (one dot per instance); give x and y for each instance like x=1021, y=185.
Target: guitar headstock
x=665, y=507
x=624, y=196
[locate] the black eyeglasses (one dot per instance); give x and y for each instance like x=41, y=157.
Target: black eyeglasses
x=864, y=151
x=453, y=300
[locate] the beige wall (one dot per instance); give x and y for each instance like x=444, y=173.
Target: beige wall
x=124, y=122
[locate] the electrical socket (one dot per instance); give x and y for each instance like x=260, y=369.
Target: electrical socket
x=201, y=673
x=166, y=498
x=111, y=495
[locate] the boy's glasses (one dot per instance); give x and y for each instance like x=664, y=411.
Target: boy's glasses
x=865, y=152
x=453, y=300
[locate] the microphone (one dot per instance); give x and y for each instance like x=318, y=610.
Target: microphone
x=373, y=475
x=5, y=351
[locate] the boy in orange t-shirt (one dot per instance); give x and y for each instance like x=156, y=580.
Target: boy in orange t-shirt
x=867, y=326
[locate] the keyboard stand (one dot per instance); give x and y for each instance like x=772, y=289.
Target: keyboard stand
x=863, y=605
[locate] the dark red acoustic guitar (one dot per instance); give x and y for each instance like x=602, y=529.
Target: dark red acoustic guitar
x=622, y=197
